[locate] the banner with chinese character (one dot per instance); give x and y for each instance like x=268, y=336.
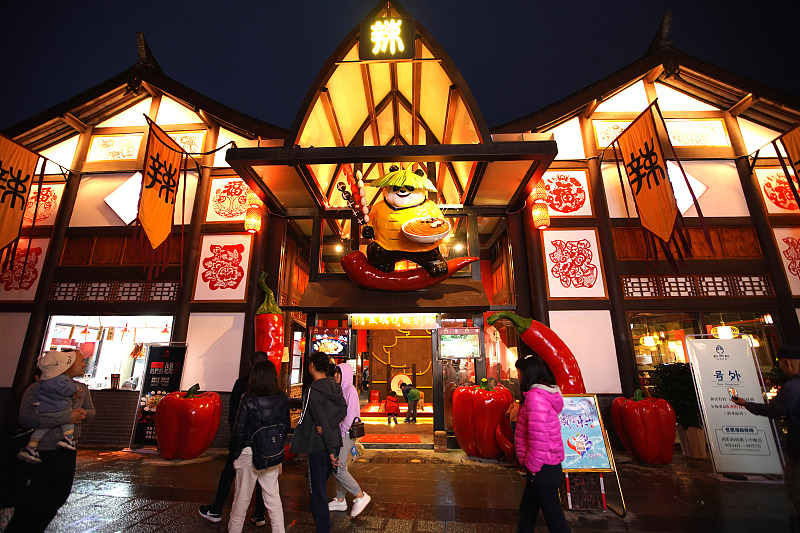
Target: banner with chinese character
x=161, y=173
x=647, y=174
x=740, y=442
x=162, y=375
x=17, y=168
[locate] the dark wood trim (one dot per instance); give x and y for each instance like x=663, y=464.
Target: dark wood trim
x=113, y=273
x=112, y=308
x=633, y=305
x=217, y=307
x=747, y=267
x=579, y=305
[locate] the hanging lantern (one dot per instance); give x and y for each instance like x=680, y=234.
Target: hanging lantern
x=252, y=219
x=540, y=215
x=539, y=193
x=252, y=199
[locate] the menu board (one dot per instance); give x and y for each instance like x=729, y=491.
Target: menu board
x=585, y=441
x=162, y=375
x=740, y=442
x=459, y=343
x=331, y=341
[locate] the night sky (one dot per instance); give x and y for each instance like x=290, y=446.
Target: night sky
x=260, y=57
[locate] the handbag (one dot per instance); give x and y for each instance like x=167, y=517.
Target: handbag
x=357, y=428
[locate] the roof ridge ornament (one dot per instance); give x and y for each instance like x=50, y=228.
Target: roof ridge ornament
x=146, y=56
x=662, y=41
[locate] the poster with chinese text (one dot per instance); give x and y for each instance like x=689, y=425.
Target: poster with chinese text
x=585, y=443
x=739, y=441
x=162, y=375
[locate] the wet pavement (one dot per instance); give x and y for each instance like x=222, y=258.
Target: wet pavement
x=413, y=491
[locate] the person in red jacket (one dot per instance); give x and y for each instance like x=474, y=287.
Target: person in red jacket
x=539, y=447
x=391, y=407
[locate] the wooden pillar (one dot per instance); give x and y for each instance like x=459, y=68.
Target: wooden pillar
x=255, y=296
x=536, y=268
x=519, y=265
x=37, y=323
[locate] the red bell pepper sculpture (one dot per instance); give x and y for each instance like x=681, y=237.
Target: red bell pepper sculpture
x=269, y=326
x=478, y=418
x=646, y=427
x=187, y=422
x=549, y=347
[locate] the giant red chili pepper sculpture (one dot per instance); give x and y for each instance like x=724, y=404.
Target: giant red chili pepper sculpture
x=646, y=427
x=359, y=270
x=269, y=326
x=549, y=347
x=187, y=422
x=478, y=419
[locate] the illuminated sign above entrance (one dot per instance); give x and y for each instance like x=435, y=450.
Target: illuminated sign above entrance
x=395, y=321
x=387, y=38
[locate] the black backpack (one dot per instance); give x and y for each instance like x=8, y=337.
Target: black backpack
x=269, y=445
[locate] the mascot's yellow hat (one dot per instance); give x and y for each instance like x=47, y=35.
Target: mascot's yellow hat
x=403, y=177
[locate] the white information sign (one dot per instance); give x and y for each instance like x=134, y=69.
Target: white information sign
x=740, y=442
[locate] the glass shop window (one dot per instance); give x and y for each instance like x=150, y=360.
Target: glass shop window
x=757, y=328
x=660, y=338
x=115, y=347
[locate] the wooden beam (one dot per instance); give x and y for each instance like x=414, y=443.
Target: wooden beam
x=369, y=93
x=206, y=118
x=154, y=91
x=742, y=105
x=74, y=122
x=590, y=108
x=416, y=91
x=330, y=113
x=653, y=75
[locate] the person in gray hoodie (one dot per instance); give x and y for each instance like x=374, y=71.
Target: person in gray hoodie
x=345, y=482
x=324, y=407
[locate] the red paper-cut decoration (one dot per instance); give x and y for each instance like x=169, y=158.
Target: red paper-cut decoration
x=48, y=201
x=777, y=189
x=565, y=193
x=13, y=278
x=230, y=200
x=792, y=253
x=223, y=270
x=573, y=263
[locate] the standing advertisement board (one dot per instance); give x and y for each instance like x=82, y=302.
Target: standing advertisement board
x=162, y=375
x=739, y=441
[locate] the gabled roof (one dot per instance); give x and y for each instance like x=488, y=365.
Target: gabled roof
x=141, y=81
x=664, y=63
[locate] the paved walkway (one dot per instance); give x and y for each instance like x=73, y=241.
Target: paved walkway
x=413, y=491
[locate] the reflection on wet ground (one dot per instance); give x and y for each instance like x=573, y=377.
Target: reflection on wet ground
x=413, y=490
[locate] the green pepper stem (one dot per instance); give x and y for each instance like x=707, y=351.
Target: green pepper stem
x=637, y=395
x=193, y=390
x=521, y=324
x=270, y=306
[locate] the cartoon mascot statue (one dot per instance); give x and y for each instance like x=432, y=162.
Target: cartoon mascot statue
x=405, y=199
x=403, y=225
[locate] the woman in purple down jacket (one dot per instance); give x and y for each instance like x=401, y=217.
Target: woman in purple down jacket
x=539, y=447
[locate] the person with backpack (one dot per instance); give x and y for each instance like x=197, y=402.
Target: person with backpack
x=213, y=511
x=259, y=439
x=324, y=407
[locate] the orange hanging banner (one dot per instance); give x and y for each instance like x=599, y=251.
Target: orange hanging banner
x=161, y=176
x=17, y=168
x=791, y=142
x=647, y=176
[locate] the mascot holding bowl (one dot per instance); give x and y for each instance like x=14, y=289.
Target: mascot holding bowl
x=405, y=224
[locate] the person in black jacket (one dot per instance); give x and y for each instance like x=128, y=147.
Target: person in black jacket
x=263, y=405
x=213, y=512
x=324, y=407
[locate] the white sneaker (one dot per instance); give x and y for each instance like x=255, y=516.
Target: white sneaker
x=359, y=504
x=336, y=505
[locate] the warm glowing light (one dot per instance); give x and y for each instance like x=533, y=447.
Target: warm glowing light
x=458, y=247
x=539, y=193
x=540, y=215
x=338, y=247
x=672, y=345
x=387, y=33
x=648, y=340
x=252, y=219
x=253, y=200
x=725, y=332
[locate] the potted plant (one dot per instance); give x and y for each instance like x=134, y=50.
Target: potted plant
x=674, y=383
